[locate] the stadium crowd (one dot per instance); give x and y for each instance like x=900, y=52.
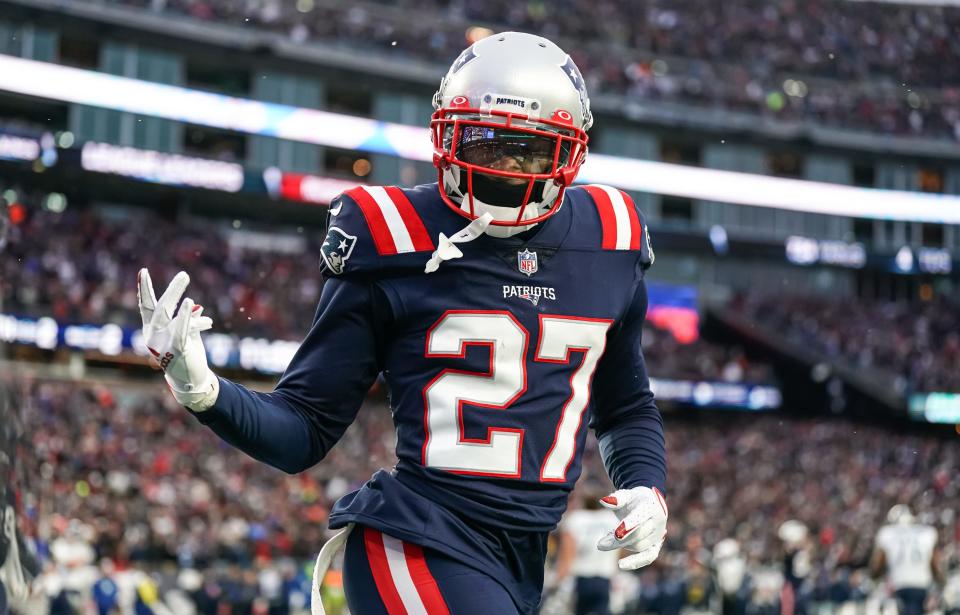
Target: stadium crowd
x=80, y=266
x=884, y=67
x=917, y=345
x=124, y=479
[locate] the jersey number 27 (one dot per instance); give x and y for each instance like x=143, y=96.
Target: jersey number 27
x=499, y=454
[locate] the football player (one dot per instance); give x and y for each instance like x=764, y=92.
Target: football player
x=907, y=552
x=504, y=308
x=590, y=568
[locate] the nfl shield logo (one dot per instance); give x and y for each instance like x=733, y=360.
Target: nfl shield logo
x=527, y=262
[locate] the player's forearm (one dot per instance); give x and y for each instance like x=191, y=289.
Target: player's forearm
x=633, y=449
x=266, y=427
x=318, y=396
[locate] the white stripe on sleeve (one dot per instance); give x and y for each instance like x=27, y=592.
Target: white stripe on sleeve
x=621, y=215
x=395, y=223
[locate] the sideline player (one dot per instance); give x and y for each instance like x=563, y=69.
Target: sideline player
x=591, y=568
x=504, y=308
x=907, y=552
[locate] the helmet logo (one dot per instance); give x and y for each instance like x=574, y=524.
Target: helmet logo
x=462, y=61
x=573, y=74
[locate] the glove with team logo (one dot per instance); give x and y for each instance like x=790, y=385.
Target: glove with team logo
x=174, y=341
x=642, y=512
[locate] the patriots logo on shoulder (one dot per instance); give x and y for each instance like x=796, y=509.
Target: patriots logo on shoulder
x=336, y=249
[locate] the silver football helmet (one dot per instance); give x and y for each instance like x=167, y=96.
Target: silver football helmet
x=900, y=514
x=509, y=131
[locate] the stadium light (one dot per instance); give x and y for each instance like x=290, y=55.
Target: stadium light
x=61, y=83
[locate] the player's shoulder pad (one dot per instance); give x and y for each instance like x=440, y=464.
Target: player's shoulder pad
x=373, y=227
x=612, y=220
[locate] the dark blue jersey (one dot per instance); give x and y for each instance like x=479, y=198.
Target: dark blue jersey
x=496, y=363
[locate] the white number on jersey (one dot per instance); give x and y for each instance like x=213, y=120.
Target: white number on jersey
x=499, y=454
x=908, y=550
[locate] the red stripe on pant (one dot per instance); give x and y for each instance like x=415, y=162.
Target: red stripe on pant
x=380, y=567
x=423, y=581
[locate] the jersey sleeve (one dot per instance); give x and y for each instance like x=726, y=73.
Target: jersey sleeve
x=622, y=225
x=373, y=228
x=320, y=392
x=626, y=420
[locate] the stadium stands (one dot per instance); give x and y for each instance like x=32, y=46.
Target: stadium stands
x=887, y=68
x=80, y=265
x=124, y=470
x=918, y=346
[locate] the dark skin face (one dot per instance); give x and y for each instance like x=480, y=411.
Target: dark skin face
x=513, y=164
x=511, y=152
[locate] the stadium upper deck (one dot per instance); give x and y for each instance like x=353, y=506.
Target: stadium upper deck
x=886, y=68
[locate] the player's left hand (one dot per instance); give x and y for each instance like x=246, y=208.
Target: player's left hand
x=642, y=512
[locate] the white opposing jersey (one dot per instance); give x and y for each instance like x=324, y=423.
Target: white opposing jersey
x=585, y=528
x=908, y=550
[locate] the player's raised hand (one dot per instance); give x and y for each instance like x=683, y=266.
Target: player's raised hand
x=173, y=337
x=642, y=512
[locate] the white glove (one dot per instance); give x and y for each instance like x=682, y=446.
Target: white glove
x=175, y=341
x=642, y=512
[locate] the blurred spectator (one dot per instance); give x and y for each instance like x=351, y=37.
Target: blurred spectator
x=128, y=473
x=81, y=265
x=878, y=66
x=916, y=344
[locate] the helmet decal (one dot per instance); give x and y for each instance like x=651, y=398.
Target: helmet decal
x=467, y=55
x=573, y=73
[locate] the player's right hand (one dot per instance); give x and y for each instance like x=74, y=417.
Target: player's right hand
x=173, y=338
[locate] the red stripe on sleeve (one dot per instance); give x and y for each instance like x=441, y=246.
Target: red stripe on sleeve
x=635, y=231
x=377, y=556
x=411, y=219
x=423, y=580
x=608, y=219
x=382, y=238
